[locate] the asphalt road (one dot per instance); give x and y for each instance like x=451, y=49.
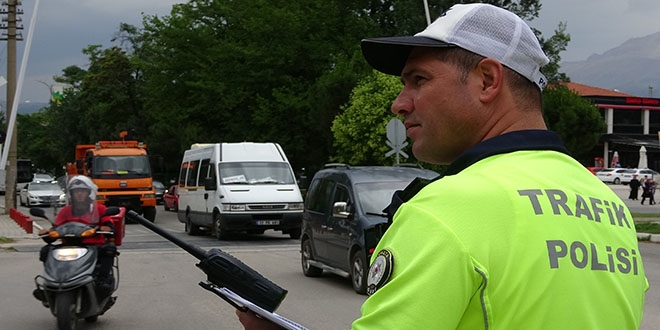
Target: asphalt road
x=159, y=283
x=159, y=288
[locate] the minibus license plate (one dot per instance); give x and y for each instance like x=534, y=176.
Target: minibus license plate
x=268, y=222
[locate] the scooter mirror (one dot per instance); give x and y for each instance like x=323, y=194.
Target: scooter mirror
x=111, y=210
x=38, y=212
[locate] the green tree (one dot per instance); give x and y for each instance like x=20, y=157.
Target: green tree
x=552, y=47
x=109, y=96
x=101, y=102
x=234, y=71
x=359, y=132
x=252, y=70
x=575, y=119
x=34, y=140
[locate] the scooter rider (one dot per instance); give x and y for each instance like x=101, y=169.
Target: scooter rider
x=81, y=194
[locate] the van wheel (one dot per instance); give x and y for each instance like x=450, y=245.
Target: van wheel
x=306, y=255
x=359, y=272
x=217, y=230
x=191, y=229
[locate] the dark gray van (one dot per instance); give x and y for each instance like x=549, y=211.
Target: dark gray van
x=343, y=218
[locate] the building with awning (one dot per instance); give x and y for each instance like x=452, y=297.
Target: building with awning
x=632, y=122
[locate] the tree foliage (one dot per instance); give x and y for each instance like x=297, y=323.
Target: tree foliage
x=229, y=71
x=359, y=132
x=575, y=119
x=102, y=101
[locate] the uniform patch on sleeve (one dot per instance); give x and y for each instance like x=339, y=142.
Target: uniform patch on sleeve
x=380, y=271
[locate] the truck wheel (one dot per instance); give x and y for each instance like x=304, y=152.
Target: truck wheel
x=150, y=213
x=217, y=229
x=306, y=255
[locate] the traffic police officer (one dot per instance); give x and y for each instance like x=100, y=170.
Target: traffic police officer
x=516, y=234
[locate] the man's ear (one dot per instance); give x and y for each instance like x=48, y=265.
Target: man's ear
x=491, y=73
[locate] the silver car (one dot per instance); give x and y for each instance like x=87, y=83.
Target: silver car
x=42, y=194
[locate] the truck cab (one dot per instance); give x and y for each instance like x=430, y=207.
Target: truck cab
x=122, y=172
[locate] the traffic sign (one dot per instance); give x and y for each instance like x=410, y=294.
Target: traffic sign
x=396, y=138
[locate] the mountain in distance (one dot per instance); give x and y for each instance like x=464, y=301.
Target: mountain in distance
x=25, y=108
x=631, y=68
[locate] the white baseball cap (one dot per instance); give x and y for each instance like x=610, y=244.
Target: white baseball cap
x=483, y=29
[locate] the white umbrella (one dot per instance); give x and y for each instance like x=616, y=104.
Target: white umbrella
x=643, y=160
x=615, y=159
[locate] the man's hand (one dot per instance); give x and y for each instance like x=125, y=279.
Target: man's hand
x=251, y=321
x=105, y=228
x=42, y=231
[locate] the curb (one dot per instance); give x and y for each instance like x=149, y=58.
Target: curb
x=654, y=238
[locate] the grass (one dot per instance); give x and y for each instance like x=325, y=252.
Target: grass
x=648, y=227
x=6, y=240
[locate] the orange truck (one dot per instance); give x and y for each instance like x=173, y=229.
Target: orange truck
x=122, y=172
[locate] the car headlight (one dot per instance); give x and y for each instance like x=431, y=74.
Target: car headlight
x=296, y=206
x=233, y=207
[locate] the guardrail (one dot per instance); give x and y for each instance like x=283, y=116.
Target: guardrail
x=23, y=220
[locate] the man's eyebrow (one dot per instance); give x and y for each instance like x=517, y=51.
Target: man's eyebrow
x=408, y=74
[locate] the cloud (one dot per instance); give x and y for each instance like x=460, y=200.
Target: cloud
x=63, y=28
x=596, y=26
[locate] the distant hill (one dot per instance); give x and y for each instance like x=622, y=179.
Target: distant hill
x=26, y=108
x=630, y=68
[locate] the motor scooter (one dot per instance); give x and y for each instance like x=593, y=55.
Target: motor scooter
x=69, y=286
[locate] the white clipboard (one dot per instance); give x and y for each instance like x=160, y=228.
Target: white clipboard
x=273, y=317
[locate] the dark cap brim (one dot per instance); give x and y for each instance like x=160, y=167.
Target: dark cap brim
x=389, y=55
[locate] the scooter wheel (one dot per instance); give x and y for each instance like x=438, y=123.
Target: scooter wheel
x=91, y=319
x=65, y=305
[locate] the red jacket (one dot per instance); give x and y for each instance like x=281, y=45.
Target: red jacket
x=65, y=215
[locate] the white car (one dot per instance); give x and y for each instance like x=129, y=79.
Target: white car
x=641, y=173
x=43, y=194
x=615, y=175
x=41, y=177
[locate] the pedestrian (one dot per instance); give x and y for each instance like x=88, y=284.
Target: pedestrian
x=651, y=185
x=515, y=234
x=634, y=185
x=648, y=190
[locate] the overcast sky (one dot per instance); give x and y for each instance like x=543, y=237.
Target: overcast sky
x=64, y=27
x=596, y=26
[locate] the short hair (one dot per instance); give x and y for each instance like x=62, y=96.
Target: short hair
x=527, y=94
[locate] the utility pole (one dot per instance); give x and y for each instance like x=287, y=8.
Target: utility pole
x=9, y=23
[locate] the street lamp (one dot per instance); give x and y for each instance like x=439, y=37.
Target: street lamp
x=50, y=89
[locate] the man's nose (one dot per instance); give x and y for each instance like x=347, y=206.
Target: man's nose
x=402, y=104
